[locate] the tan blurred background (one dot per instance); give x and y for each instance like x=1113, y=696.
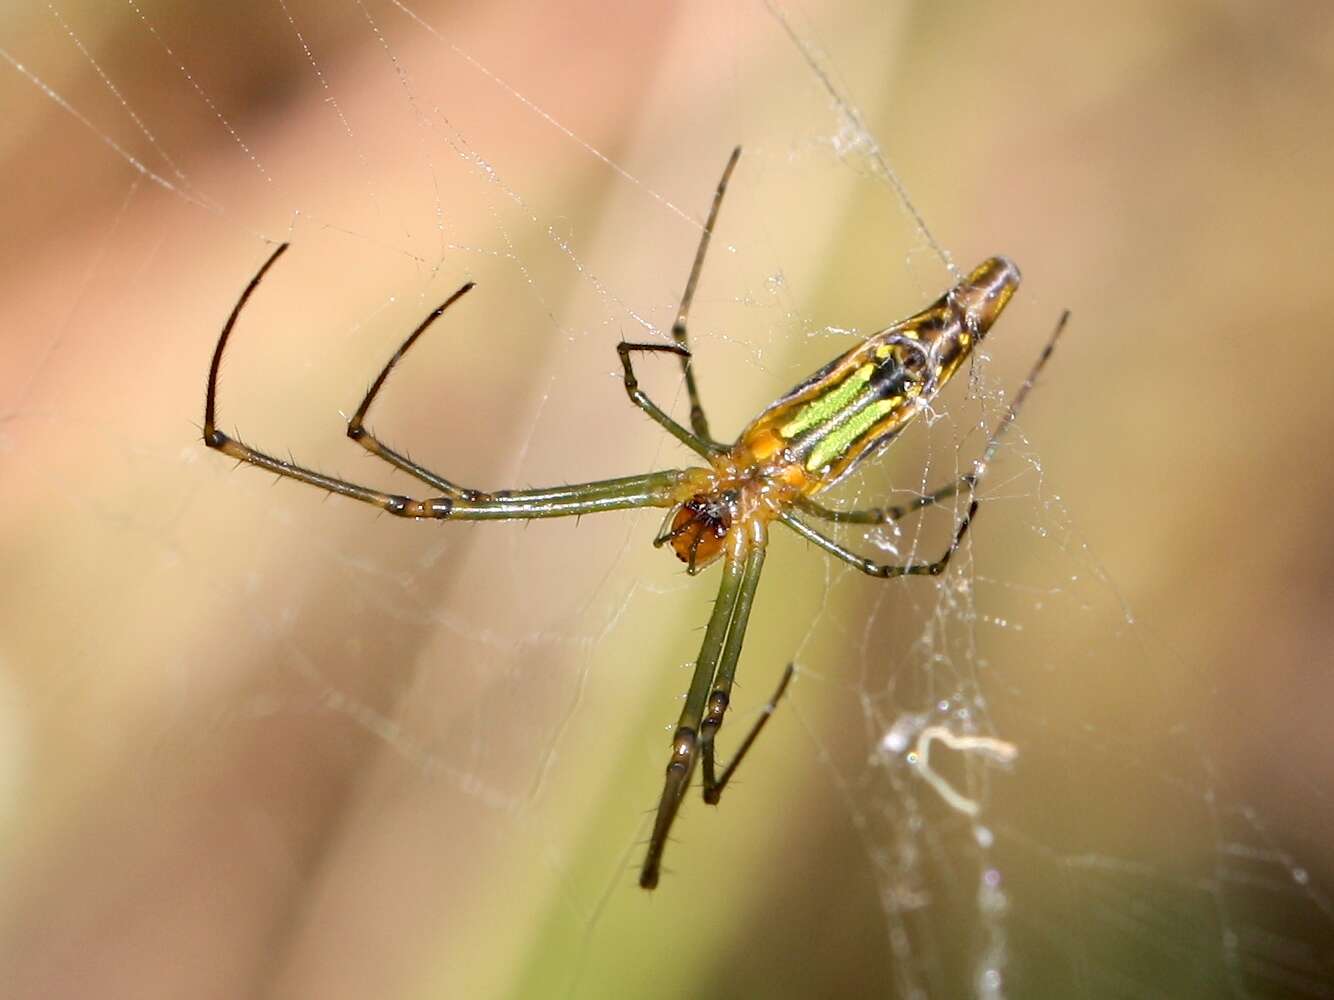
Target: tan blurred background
x=258, y=743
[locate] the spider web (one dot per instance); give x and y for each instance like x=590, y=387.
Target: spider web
x=257, y=743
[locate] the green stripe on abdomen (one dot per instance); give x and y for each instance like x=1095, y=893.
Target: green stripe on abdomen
x=828, y=407
x=834, y=444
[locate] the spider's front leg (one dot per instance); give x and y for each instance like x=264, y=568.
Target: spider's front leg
x=653, y=489
x=356, y=427
x=710, y=686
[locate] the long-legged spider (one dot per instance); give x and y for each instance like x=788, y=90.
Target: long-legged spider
x=800, y=445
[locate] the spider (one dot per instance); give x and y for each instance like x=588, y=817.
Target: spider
x=800, y=445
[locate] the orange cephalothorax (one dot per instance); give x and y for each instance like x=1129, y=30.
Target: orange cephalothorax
x=696, y=529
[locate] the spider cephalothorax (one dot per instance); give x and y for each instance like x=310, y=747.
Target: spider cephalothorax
x=800, y=445
x=695, y=529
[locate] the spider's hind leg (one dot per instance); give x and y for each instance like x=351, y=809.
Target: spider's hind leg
x=888, y=515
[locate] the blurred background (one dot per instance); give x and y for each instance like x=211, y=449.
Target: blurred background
x=257, y=742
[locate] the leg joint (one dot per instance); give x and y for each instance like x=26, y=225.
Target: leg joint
x=713, y=714
x=683, y=752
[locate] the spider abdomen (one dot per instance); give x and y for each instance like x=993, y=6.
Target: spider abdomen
x=860, y=401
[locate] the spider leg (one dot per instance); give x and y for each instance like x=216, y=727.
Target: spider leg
x=640, y=398
x=887, y=515
x=358, y=433
x=698, y=423
x=993, y=442
x=869, y=566
x=713, y=788
x=720, y=697
x=714, y=670
x=655, y=489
